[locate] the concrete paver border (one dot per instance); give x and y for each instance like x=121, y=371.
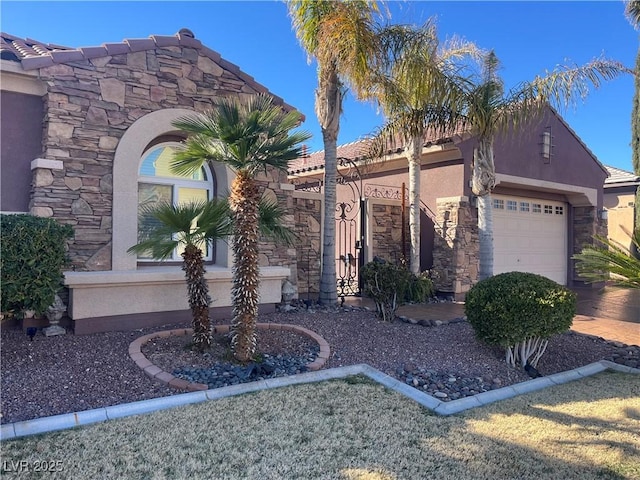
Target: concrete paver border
x=155, y=372
x=70, y=420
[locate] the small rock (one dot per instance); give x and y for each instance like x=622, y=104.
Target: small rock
x=409, y=367
x=440, y=394
x=437, y=323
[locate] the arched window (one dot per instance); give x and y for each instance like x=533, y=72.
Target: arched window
x=158, y=184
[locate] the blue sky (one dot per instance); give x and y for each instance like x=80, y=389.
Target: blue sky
x=528, y=37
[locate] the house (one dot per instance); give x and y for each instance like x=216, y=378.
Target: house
x=619, y=202
x=547, y=204
x=86, y=139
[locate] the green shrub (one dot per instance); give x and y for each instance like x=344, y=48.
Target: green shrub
x=420, y=288
x=32, y=254
x=511, y=309
x=392, y=285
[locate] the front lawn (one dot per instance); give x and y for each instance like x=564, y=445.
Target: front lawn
x=356, y=429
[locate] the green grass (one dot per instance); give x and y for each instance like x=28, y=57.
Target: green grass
x=356, y=429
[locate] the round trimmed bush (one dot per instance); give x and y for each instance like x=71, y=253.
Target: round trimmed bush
x=509, y=308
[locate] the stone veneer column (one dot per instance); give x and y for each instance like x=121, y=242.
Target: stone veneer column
x=456, y=247
x=275, y=253
x=308, y=227
x=43, y=172
x=385, y=218
x=586, y=224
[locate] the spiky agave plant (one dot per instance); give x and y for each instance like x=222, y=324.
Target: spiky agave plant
x=249, y=135
x=611, y=261
x=166, y=227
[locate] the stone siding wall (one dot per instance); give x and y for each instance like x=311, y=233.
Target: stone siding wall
x=89, y=106
x=307, y=211
x=386, y=224
x=456, y=246
x=586, y=224
x=277, y=253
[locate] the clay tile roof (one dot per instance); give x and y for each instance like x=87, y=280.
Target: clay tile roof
x=359, y=149
x=17, y=49
x=33, y=54
x=618, y=176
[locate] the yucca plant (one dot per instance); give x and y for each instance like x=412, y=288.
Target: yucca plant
x=249, y=135
x=190, y=226
x=610, y=261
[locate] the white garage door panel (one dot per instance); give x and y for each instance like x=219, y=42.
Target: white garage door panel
x=530, y=235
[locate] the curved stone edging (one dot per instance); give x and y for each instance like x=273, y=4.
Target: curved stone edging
x=155, y=372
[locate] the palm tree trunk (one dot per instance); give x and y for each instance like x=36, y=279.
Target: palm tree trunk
x=482, y=182
x=635, y=129
x=414, y=151
x=328, y=106
x=244, y=201
x=198, y=295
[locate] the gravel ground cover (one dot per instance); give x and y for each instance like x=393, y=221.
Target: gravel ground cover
x=71, y=373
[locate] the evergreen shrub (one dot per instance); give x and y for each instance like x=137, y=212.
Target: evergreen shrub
x=32, y=255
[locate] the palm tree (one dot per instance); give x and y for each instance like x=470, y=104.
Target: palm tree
x=341, y=36
x=248, y=135
x=490, y=112
x=596, y=264
x=190, y=227
x=632, y=11
x=420, y=95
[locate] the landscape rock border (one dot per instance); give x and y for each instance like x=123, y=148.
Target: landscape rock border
x=156, y=373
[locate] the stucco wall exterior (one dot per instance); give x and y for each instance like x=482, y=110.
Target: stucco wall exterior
x=619, y=203
x=21, y=119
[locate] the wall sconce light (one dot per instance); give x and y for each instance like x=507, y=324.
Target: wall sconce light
x=547, y=145
x=604, y=214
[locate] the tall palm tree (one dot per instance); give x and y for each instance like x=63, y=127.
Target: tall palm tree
x=341, y=36
x=418, y=90
x=249, y=135
x=632, y=11
x=190, y=226
x=490, y=112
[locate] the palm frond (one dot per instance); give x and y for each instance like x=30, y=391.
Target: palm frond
x=166, y=226
x=419, y=88
x=611, y=261
x=270, y=223
x=249, y=133
x=632, y=11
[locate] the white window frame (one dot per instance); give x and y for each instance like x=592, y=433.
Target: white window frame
x=176, y=183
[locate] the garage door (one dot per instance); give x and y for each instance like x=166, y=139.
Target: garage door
x=530, y=235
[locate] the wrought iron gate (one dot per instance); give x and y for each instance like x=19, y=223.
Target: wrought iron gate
x=350, y=231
